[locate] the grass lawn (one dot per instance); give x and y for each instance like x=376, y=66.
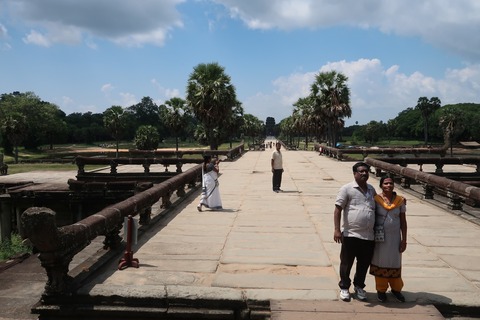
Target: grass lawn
x=70, y=151
x=28, y=167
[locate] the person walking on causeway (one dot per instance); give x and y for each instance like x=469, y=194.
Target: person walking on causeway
x=210, y=197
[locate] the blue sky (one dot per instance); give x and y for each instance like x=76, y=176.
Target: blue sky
x=89, y=55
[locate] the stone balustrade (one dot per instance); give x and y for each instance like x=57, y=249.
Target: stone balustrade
x=230, y=154
x=339, y=153
x=454, y=190
x=58, y=245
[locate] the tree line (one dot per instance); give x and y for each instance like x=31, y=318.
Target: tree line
x=320, y=116
x=439, y=125
x=210, y=114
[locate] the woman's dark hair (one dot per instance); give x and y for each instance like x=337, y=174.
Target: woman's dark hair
x=206, y=159
x=387, y=176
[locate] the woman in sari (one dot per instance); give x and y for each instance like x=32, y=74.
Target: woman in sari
x=386, y=266
x=210, y=192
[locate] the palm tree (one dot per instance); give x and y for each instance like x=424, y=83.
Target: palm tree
x=174, y=115
x=287, y=129
x=114, y=120
x=331, y=99
x=212, y=98
x=427, y=107
x=235, y=122
x=14, y=126
x=252, y=126
x=451, y=122
x=304, y=117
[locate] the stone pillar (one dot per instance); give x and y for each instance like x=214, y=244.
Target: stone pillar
x=439, y=168
x=455, y=202
x=428, y=191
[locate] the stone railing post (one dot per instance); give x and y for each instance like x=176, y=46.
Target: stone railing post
x=179, y=167
x=455, y=202
x=113, y=166
x=439, y=168
x=55, y=256
x=428, y=191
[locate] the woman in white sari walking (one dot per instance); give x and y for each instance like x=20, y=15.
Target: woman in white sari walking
x=210, y=192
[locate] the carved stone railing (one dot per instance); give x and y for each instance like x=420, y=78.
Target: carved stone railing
x=58, y=246
x=457, y=192
x=231, y=154
x=114, y=175
x=438, y=162
x=339, y=153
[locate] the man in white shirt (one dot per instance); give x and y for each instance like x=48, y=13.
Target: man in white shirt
x=356, y=200
x=277, y=168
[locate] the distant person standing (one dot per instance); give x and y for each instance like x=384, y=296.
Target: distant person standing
x=277, y=168
x=356, y=205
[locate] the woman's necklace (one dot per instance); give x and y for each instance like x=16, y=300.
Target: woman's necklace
x=386, y=199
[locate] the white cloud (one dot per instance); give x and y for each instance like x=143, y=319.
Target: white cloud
x=106, y=88
x=4, y=46
x=165, y=93
x=127, y=99
x=3, y=32
x=452, y=25
x=67, y=101
x=124, y=22
x=37, y=38
x=377, y=92
x=124, y=99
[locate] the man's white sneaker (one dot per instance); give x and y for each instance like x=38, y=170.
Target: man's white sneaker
x=360, y=293
x=344, y=294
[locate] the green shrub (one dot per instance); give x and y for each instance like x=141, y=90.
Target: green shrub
x=13, y=247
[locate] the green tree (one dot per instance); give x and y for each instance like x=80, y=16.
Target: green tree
x=147, y=138
x=287, y=129
x=451, y=120
x=252, y=126
x=234, y=123
x=174, y=114
x=14, y=127
x=115, y=121
x=86, y=127
x=373, y=131
x=305, y=119
x=407, y=122
x=427, y=108
x=212, y=98
x=331, y=99
x=54, y=125
x=44, y=121
x=145, y=112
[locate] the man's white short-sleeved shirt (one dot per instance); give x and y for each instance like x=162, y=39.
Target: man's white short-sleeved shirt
x=277, y=160
x=358, y=214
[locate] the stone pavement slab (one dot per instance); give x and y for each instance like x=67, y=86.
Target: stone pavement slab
x=280, y=245
x=310, y=310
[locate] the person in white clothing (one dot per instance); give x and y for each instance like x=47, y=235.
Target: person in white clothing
x=277, y=168
x=210, y=187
